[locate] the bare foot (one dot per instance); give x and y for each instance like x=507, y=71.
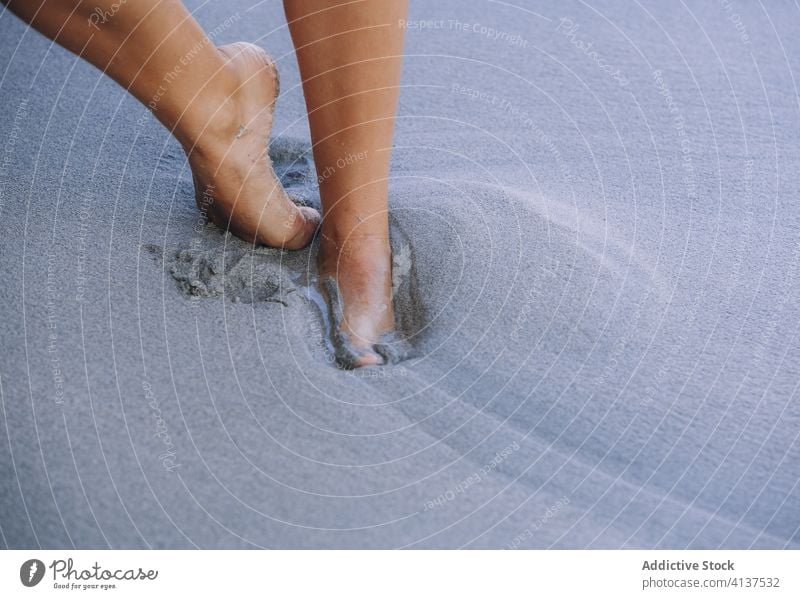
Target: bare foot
x=234, y=181
x=356, y=276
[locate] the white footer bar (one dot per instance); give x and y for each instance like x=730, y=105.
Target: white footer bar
x=403, y=574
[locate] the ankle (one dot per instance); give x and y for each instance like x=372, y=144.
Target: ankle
x=356, y=223
x=338, y=251
x=338, y=240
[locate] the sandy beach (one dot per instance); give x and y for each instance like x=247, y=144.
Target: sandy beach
x=595, y=231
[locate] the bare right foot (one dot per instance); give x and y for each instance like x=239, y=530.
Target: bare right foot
x=235, y=183
x=356, y=276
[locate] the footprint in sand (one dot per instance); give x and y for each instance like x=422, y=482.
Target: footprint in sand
x=216, y=264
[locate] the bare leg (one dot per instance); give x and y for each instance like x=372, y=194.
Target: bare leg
x=217, y=101
x=350, y=56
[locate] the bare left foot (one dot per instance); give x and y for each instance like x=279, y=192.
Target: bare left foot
x=234, y=180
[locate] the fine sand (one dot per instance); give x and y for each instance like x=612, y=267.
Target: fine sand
x=595, y=230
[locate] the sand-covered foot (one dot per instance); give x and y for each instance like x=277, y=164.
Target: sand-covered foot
x=235, y=183
x=356, y=279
